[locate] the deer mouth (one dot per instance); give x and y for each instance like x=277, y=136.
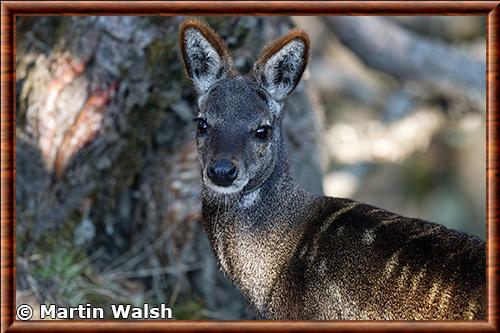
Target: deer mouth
x=237, y=185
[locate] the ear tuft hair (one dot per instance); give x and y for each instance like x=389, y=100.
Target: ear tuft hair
x=281, y=64
x=206, y=58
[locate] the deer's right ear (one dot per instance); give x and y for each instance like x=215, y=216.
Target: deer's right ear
x=206, y=57
x=281, y=64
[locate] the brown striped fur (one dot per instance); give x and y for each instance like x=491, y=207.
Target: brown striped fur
x=295, y=255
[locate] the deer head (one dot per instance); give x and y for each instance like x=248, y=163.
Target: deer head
x=238, y=119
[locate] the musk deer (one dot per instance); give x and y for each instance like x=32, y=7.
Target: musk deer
x=293, y=254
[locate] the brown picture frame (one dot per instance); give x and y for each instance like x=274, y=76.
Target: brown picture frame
x=11, y=9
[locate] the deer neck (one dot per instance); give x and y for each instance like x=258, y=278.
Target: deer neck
x=255, y=233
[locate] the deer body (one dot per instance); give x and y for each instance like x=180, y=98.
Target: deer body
x=296, y=255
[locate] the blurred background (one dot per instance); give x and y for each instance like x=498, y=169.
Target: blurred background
x=390, y=111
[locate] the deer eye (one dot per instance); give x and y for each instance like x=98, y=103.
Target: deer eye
x=263, y=132
x=202, y=125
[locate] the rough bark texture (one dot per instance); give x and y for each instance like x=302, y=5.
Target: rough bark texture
x=105, y=160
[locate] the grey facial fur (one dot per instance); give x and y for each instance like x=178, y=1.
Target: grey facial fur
x=234, y=111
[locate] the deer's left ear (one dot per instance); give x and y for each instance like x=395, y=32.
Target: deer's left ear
x=206, y=57
x=281, y=64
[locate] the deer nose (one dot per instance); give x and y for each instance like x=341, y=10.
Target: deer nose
x=222, y=172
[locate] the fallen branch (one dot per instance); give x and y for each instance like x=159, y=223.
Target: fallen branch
x=408, y=56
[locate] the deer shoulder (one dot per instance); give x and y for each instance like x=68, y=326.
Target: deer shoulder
x=376, y=264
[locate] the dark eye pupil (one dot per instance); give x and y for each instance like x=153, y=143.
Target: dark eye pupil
x=202, y=126
x=263, y=132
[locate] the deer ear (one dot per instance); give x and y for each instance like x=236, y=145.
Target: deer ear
x=281, y=64
x=206, y=57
